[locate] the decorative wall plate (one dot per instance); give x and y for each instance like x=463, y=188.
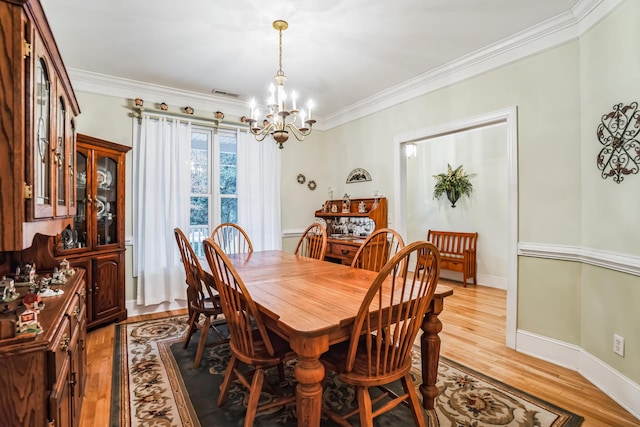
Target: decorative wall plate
x=312, y=185
x=301, y=178
x=358, y=175
x=67, y=238
x=104, y=178
x=321, y=221
x=102, y=206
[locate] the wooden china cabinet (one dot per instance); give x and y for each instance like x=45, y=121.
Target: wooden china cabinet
x=43, y=376
x=95, y=241
x=37, y=132
x=349, y=223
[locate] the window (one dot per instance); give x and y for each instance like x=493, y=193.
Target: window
x=214, y=197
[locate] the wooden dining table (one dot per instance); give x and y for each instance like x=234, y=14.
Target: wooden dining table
x=312, y=304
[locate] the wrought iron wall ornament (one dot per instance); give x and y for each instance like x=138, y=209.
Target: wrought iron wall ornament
x=618, y=132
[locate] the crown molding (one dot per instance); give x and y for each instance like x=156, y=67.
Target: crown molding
x=553, y=32
x=546, y=35
x=623, y=263
x=102, y=84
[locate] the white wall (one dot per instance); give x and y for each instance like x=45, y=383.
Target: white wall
x=483, y=152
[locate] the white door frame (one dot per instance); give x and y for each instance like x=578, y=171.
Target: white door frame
x=510, y=118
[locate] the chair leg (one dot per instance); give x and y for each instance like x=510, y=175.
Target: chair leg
x=365, y=407
x=414, y=403
x=192, y=328
x=204, y=334
x=228, y=379
x=254, y=397
x=281, y=371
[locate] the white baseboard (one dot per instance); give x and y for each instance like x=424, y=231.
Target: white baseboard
x=611, y=382
x=134, y=309
x=483, y=279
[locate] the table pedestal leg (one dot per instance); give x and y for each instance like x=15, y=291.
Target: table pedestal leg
x=309, y=372
x=430, y=347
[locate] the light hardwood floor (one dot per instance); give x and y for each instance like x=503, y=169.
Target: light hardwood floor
x=473, y=334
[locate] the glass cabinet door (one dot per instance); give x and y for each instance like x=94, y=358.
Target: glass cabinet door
x=72, y=169
x=42, y=141
x=106, y=201
x=81, y=227
x=60, y=160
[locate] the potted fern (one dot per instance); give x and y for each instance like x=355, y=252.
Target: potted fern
x=454, y=183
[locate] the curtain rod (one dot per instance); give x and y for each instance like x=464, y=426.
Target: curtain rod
x=140, y=112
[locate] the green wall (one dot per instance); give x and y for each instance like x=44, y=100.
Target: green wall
x=609, y=74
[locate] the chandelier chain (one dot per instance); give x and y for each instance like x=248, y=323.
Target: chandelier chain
x=280, y=72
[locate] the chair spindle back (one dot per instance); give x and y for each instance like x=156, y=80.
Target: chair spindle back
x=313, y=243
x=393, y=309
x=378, y=249
x=238, y=307
x=232, y=238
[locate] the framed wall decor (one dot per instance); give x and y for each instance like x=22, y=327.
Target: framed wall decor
x=358, y=175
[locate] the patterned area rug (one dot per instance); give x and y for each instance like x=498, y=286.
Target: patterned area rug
x=155, y=384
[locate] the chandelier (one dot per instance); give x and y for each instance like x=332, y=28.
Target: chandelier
x=280, y=121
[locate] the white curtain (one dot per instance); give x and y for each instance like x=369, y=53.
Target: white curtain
x=160, y=203
x=259, y=191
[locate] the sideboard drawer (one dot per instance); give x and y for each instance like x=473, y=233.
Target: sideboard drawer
x=342, y=252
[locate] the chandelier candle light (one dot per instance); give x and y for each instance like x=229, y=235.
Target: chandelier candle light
x=279, y=121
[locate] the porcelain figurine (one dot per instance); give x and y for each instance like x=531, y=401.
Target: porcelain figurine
x=346, y=203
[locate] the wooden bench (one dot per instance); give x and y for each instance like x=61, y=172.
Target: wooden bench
x=457, y=252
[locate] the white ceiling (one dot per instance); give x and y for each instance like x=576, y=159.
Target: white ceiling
x=336, y=52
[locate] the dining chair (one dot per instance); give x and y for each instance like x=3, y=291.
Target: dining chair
x=313, y=242
x=378, y=248
x=250, y=341
x=200, y=304
x=378, y=352
x=232, y=238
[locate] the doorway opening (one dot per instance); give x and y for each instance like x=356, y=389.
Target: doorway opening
x=507, y=118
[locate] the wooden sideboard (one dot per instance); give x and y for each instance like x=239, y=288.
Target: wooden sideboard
x=43, y=377
x=348, y=230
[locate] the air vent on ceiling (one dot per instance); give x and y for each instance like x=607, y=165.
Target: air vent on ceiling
x=225, y=93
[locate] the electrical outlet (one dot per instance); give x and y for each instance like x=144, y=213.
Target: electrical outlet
x=618, y=345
